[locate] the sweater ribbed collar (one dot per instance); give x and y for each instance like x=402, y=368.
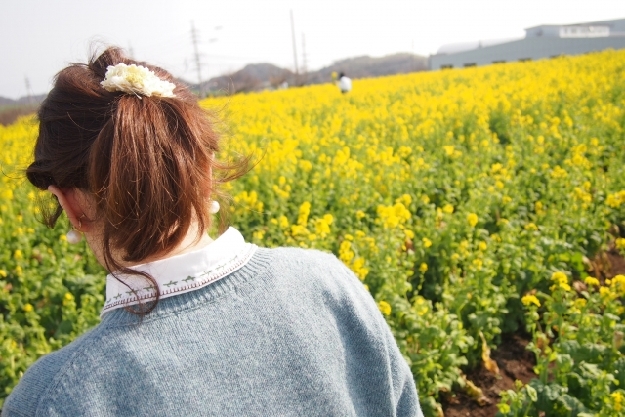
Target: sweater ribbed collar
x=181, y=273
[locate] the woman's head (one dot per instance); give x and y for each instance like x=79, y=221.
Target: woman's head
x=144, y=164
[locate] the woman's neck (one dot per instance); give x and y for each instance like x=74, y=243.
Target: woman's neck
x=190, y=243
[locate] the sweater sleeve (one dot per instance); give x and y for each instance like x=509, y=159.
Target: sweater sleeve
x=39, y=379
x=406, y=399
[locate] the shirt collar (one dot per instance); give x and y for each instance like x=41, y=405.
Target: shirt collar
x=181, y=273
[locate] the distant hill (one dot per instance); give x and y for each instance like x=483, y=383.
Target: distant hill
x=11, y=109
x=22, y=101
x=254, y=77
x=365, y=67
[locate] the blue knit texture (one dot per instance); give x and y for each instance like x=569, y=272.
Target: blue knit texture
x=292, y=333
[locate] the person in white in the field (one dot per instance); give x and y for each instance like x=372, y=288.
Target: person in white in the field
x=345, y=83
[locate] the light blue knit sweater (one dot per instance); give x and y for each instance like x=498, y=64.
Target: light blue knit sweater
x=292, y=333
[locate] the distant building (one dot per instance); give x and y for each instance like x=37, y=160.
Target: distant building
x=544, y=41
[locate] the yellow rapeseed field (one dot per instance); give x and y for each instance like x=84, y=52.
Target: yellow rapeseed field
x=469, y=202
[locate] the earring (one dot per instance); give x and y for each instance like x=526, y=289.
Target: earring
x=214, y=207
x=74, y=236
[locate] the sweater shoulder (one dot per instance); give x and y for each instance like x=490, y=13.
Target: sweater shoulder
x=41, y=377
x=321, y=273
x=307, y=258
x=312, y=265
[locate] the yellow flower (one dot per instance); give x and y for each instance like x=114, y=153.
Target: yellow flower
x=530, y=299
x=67, y=299
x=559, y=277
x=3, y=273
x=18, y=254
x=322, y=226
x=448, y=208
x=427, y=242
x=482, y=246
x=360, y=214
x=283, y=222
x=617, y=399
x=359, y=268
x=304, y=212
x=616, y=199
x=27, y=308
x=449, y=150
x=306, y=166
x=558, y=172
x=6, y=194
x=472, y=219
x=618, y=283
x=530, y=226
x=297, y=230
x=620, y=243
x=385, y=308
x=346, y=254
x=591, y=281
x=404, y=199
x=424, y=267
x=538, y=206
x=421, y=306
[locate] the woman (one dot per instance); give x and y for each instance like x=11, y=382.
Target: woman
x=190, y=326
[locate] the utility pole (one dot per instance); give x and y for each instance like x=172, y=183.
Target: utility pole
x=294, y=44
x=304, y=59
x=131, y=51
x=414, y=64
x=198, y=65
x=28, y=95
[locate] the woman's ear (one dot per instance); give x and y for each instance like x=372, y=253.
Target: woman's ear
x=73, y=205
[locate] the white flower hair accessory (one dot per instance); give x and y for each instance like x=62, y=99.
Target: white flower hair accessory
x=136, y=79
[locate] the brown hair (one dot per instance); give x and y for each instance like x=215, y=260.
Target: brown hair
x=146, y=160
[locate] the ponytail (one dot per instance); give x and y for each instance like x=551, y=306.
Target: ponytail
x=148, y=161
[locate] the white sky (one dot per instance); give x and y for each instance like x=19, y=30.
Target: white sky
x=38, y=38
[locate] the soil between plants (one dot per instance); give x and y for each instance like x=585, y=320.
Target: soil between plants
x=514, y=361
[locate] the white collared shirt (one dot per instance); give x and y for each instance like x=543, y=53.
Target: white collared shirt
x=181, y=273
